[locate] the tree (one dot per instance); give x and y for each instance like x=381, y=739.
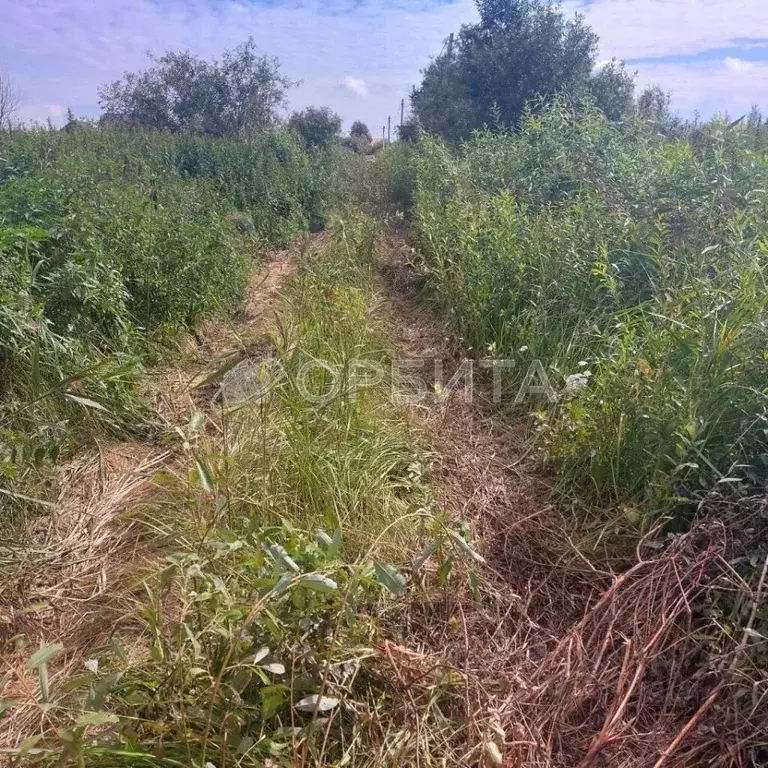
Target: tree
x=409, y=130
x=360, y=130
x=236, y=96
x=613, y=89
x=520, y=50
x=653, y=106
x=10, y=101
x=653, y=102
x=317, y=127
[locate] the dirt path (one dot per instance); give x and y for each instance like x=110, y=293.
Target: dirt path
x=88, y=549
x=484, y=472
x=484, y=478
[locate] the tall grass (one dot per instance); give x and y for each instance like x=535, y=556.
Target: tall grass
x=613, y=251
x=112, y=240
x=256, y=639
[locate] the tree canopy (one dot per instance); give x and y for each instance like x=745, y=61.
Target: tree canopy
x=238, y=95
x=317, y=127
x=518, y=51
x=360, y=130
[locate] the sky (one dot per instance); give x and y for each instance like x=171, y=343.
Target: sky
x=361, y=57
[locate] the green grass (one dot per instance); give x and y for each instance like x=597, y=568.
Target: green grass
x=112, y=242
x=611, y=249
x=280, y=541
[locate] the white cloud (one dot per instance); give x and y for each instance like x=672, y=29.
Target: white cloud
x=737, y=65
x=641, y=28
x=355, y=85
x=62, y=50
x=710, y=87
x=43, y=113
x=647, y=29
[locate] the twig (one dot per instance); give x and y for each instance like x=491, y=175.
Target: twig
x=718, y=689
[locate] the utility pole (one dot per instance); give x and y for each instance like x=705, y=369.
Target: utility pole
x=389, y=129
x=383, y=134
x=402, y=113
x=450, y=47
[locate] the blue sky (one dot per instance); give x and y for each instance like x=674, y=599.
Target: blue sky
x=362, y=56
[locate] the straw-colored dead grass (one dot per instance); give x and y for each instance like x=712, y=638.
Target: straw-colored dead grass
x=75, y=565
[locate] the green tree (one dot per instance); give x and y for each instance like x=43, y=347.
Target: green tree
x=613, y=89
x=653, y=105
x=360, y=130
x=409, y=130
x=238, y=95
x=317, y=127
x=520, y=50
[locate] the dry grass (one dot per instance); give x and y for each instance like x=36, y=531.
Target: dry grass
x=551, y=658
x=76, y=564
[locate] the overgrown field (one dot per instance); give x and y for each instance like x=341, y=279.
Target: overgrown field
x=111, y=242
x=264, y=555
x=633, y=266
x=625, y=261
x=292, y=573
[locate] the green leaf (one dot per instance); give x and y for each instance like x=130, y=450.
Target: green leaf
x=100, y=690
x=96, y=718
x=390, y=578
x=204, y=473
x=465, y=548
x=43, y=655
x=193, y=640
x=474, y=585
x=236, y=358
x=318, y=583
x=426, y=553
x=281, y=556
x=283, y=584
x=444, y=572
x=28, y=743
x=272, y=698
x=42, y=672
x=315, y=703
x=23, y=497
x=6, y=704
x=330, y=545
x=85, y=401
x=261, y=654
x=196, y=422
x=336, y=543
